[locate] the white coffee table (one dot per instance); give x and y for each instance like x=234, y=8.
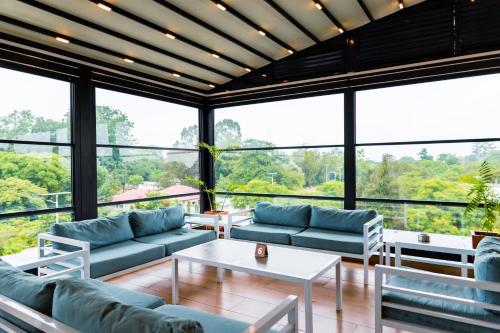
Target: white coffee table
x=283, y=263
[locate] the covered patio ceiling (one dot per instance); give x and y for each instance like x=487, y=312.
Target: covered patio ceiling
x=197, y=44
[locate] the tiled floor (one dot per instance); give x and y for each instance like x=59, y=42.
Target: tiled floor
x=246, y=297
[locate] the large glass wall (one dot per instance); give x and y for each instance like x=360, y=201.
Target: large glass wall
x=285, y=148
x=145, y=149
x=35, y=156
x=425, y=142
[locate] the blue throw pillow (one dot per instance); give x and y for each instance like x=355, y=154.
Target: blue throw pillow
x=27, y=289
x=149, y=222
x=98, y=232
x=88, y=309
x=487, y=268
x=340, y=219
x=290, y=216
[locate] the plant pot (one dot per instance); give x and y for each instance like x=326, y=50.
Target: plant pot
x=478, y=235
x=216, y=212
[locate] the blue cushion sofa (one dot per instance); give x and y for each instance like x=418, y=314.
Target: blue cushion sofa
x=126, y=242
x=415, y=300
x=69, y=305
x=350, y=233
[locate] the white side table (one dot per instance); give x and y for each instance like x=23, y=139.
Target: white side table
x=459, y=245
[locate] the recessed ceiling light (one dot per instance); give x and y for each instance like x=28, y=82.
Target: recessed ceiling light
x=318, y=5
x=341, y=30
x=290, y=51
x=211, y=86
x=248, y=69
x=263, y=75
x=62, y=40
x=401, y=4
x=176, y=74
x=215, y=55
x=103, y=6
x=221, y=7
x=170, y=35
x=262, y=33
x=130, y=61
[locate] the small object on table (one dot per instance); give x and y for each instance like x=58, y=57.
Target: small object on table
x=261, y=250
x=424, y=238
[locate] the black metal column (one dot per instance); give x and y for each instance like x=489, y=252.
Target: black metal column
x=207, y=174
x=84, y=139
x=350, y=149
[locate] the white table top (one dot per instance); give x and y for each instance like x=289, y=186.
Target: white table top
x=437, y=240
x=282, y=262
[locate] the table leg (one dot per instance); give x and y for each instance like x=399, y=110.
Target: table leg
x=308, y=306
x=219, y=274
x=387, y=254
x=338, y=286
x=175, y=281
x=465, y=271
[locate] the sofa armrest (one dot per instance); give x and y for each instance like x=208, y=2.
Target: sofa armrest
x=288, y=307
x=31, y=317
x=463, y=282
x=48, y=255
x=373, y=234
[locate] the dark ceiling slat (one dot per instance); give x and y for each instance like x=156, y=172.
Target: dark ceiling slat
x=97, y=48
x=116, y=34
x=215, y=30
x=366, y=10
x=163, y=31
x=255, y=26
x=293, y=21
x=330, y=15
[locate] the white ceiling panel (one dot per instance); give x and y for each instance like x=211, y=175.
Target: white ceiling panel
x=348, y=12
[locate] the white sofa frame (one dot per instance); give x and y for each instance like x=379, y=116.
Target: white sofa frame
x=376, y=234
x=465, y=282
x=289, y=307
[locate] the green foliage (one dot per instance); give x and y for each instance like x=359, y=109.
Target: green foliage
x=333, y=188
x=135, y=180
x=481, y=193
x=19, y=194
x=256, y=186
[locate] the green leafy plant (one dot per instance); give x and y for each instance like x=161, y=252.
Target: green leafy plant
x=482, y=193
x=216, y=154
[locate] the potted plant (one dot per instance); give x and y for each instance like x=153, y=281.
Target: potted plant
x=487, y=201
x=216, y=153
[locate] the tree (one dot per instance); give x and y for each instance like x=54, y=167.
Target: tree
x=424, y=155
x=21, y=124
x=481, y=150
x=227, y=133
x=20, y=194
x=174, y=173
x=332, y=188
x=189, y=137
x=135, y=180
x=256, y=186
x=384, y=179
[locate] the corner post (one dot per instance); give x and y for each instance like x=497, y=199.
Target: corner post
x=350, y=149
x=206, y=134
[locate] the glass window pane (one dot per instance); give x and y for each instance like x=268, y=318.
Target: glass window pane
x=234, y=202
x=34, y=108
x=19, y=233
x=436, y=172
x=125, y=119
x=298, y=122
x=285, y=171
x=424, y=218
x=466, y=108
x=190, y=203
x=127, y=174
x=34, y=177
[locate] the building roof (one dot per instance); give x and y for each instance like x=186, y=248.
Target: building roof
x=141, y=193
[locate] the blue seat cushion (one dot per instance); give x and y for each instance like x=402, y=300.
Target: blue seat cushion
x=340, y=219
x=116, y=257
x=266, y=233
x=330, y=240
x=86, y=308
x=178, y=239
x=438, y=323
x=290, y=216
x=487, y=268
x=127, y=296
x=211, y=323
x=98, y=232
x=150, y=222
x=26, y=289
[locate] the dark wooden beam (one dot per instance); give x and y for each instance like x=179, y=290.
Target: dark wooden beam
x=366, y=10
x=330, y=15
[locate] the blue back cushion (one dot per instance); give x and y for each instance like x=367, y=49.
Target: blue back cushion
x=87, y=308
x=340, y=219
x=98, y=232
x=27, y=289
x=150, y=222
x=487, y=268
x=291, y=216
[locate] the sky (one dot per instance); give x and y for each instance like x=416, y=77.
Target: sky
x=452, y=109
